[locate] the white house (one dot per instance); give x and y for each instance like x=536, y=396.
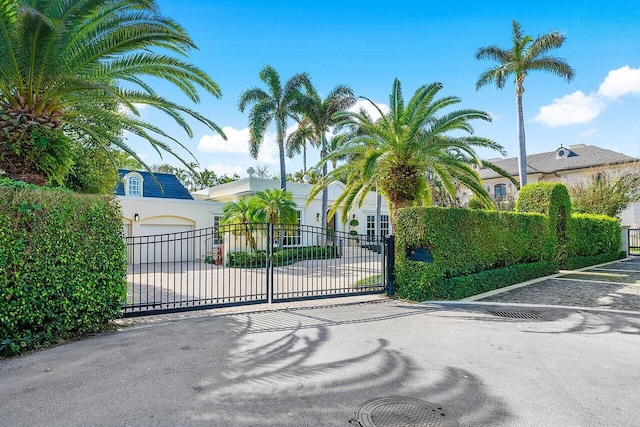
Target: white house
x=568, y=165
x=148, y=209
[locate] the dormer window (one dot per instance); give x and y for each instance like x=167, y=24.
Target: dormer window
x=564, y=153
x=133, y=184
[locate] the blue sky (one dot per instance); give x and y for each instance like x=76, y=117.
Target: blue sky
x=367, y=44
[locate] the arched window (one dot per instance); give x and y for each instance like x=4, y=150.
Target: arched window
x=133, y=184
x=500, y=191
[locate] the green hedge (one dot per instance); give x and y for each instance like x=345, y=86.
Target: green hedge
x=464, y=242
x=592, y=239
x=62, y=265
x=258, y=259
x=465, y=286
x=553, y=200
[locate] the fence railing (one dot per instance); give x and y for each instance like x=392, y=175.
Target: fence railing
x=634, y=241
x=255, y=263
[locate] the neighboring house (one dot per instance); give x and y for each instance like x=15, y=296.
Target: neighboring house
x=159, y=206
x=569, y=165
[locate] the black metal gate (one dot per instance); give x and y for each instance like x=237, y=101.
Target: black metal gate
x=634, y=241
x=249, y=264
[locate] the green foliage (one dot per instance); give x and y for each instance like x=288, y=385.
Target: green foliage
x=550, y=199
x=476, y=203
x=282, y=257
x=27, y=149
x=65, y=65
x=276, y=104
x=592, y=239
x=62, y=266
x=465, y=286
x=92, y=172
x=606, y=194
x=396, y=153
x=464, y=242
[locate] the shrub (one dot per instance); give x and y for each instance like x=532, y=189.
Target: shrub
x=550, y=199
x=465, y=286
x=62, y=266
x=592, y=239
x=463, y=242
x=281, y=257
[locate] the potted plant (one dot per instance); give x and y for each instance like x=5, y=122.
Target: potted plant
x=354, y=222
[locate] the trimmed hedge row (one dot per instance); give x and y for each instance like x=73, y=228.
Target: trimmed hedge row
x=62, y=265
x=463, y=242
x=465, y=286
x=592, y=239
x=258, y=259
x=553, y=200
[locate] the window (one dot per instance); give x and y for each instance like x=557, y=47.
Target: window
x=500, y=191
x=217, y=237
x=293, y=237
x=371, y=226
x=133, y=185
x=384, y=225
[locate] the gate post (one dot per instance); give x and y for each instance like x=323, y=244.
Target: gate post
x=269, y=263
x=391, y=256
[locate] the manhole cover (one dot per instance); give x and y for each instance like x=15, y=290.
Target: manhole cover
x=516, y=314
x=397, y=411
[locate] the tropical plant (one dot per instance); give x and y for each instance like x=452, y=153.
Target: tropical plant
x=277, y=104
x=526, y=54
x=63, y=69
x=275, y=206
x=297, y=141
x=606, y=194
x=394, y=153
x=320, y=114
x=238, y=217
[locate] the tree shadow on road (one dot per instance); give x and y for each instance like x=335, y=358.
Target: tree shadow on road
x=305, y=376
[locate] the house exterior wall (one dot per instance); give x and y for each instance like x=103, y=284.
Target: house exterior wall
x=630, y=217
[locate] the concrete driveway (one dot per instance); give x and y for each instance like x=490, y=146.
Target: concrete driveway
x=315, y=365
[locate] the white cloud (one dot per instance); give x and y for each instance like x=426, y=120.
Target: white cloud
x=570, y=109
x=370, y=109
x=588, y=133
x=621, y=82
x=238, y=143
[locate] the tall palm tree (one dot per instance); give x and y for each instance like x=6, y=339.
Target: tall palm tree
x=297, y=141
x=62, y=68
x=394, y=153
x=277, y=104
x=320, y=114
x=526, y=54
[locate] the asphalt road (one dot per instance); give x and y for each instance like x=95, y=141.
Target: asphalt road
x=315, y=366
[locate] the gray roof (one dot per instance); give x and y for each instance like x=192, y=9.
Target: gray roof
x=172, y=188
x=580, y=156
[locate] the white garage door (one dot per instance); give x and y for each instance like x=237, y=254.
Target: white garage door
x=165, y=246
x=151, y=229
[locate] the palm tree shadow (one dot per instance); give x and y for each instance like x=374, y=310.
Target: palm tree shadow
x=304, y=376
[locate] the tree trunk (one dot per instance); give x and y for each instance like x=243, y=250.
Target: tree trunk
x=325, y=191
x=283, y=173
x=522, y=154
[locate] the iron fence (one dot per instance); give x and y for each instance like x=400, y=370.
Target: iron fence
x=634, y=241
x=249, y=264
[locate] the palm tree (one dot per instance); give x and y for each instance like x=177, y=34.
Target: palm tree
x=525, y=55
x=297, y=141
x=275, y=206
x=394, y=153
x=320, y=114
x=238, y=217
x=276, y=105
x=62, y=66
